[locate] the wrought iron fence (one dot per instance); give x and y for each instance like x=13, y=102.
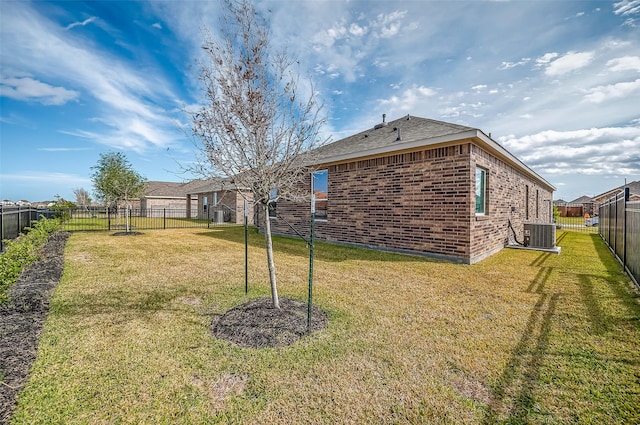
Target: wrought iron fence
x=13, y=221
x=134, y=219
x=620, y=228
x=576, y=218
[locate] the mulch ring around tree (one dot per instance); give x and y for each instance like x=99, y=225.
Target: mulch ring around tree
x=127, y=234
x=22, y=318
x=257, y=323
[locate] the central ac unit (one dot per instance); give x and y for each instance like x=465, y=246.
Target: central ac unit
x=538, y=235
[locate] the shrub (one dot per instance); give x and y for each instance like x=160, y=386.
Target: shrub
x=23, y=251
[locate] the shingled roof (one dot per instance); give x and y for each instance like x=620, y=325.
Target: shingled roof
x=410, y=133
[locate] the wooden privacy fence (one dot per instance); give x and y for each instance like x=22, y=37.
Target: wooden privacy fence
x=620, y=228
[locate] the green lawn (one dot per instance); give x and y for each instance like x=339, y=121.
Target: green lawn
x=522, y=337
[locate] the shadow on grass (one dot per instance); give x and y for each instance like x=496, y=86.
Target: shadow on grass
x=618, y=281
x=513, y=398
x=324, y=251
x=523, y=369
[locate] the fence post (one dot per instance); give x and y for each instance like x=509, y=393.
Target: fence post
x=108, y=219
x=624, y=228
x=1, y=229
x=164, y=218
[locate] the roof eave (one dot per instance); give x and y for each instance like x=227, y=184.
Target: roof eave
x=507, y=156
x=473, y=134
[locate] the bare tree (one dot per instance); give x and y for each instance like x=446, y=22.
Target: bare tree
x=82, y=197
x=255, y=127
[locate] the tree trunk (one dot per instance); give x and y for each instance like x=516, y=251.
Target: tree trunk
x=270, y=263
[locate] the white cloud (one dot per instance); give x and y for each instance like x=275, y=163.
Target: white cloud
x=82, y=24
x=570, y=62
x=157, y=25
x=628, y=8
x=626, y=63
x=124, y=94
x=546, y=58
x=28, y=89
x=409, y=99
x=357, y=30
x=509, y=65
x=612, y=91
x=595, y=151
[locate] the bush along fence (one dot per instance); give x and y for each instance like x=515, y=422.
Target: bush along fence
x=13, y=221
x=136, y=219
x=620, y=228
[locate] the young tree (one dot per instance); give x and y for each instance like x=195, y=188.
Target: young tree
x=255, y=126
x=115, y=181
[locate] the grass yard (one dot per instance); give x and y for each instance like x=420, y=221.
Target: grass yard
x=522, y=337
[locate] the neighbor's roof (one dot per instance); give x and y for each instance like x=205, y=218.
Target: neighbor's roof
x=582, y=200
x=409, y=133
x=634, y=188
x=213, y=185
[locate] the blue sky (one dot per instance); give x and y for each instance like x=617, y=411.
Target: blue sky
x=555, y=82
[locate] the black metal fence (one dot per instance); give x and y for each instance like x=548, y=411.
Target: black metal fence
x=576, y=217
x=13, y=221
x=620, y=228
x=135, y=219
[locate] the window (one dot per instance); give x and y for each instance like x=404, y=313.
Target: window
x=526, y=202
x=537, y=203
x=481, y=191
x=273, y=195
x=320, y=188
x=204, y=204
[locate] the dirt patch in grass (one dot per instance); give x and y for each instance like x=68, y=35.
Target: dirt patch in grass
x=258, y=324
x=22, y=318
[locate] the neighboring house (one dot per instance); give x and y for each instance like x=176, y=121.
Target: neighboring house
x=634, y=193
x=579, y=207
x=160, y=196
x=420, y=186
x=218, y=200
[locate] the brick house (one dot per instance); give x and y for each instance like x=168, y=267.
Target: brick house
x=218, y=200
x=420, y=186
x=160, y=195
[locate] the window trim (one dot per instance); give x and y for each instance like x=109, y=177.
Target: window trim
x=484, y=189
x=313, y=175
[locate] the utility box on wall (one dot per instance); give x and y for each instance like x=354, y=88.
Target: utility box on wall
x=538, y=235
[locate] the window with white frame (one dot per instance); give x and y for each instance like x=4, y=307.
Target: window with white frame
x=320, y=190
x=481, y=191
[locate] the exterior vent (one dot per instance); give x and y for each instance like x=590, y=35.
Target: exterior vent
x=538, y=235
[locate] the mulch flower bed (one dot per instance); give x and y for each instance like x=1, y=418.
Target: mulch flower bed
x=22, y=318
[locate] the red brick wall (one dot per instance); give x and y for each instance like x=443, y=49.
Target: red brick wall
x=422, y=201
x=507, y=190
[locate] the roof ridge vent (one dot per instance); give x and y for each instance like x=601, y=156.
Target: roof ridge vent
x=408, y=117
x=382, y=124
